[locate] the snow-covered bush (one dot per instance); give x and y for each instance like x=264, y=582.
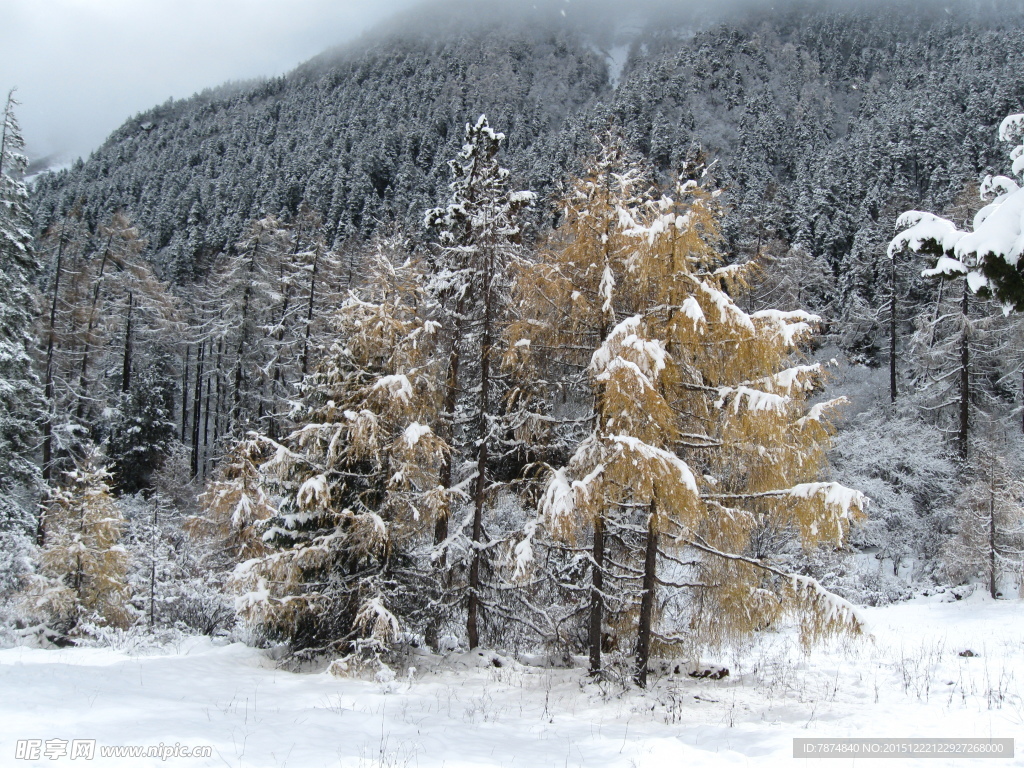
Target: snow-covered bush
x=172, y=584
x=904, y=467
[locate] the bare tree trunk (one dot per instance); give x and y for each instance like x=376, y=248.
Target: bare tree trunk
x=992, y=537
x=643, y=638
x=479, y=496
x=126, y=363
x=447, y=426
x=196, y=405
x=892, y=333
x=309, y=311
x=184, y=394
x=218, y=398
x=83, y=386
x=154, y=541
x=965, y=381
x=48, y=388
x=206, y=415
x=597, y=596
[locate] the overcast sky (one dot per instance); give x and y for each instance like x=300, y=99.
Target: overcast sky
x=82, y=67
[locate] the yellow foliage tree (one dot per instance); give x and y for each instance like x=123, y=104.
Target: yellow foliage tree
x=83, y=564
x=702, y=431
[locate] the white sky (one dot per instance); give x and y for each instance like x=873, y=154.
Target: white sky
x=82, y=67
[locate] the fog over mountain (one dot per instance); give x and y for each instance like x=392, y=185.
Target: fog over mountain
x=83, y=66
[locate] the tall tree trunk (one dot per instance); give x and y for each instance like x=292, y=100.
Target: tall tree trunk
x=309, y=311
x=965, y=380
x=243, y=342
x=154, y=542
x=218, y=398
x=206, y=415
x=48, y=387
x=83, y=386
x=643, y=638
x=472, y=619
x=892, y=332
x=597, y=596
x=992, y=537
x=184, y=394
x=196, y=405
x=447, y=426
x=126, y=363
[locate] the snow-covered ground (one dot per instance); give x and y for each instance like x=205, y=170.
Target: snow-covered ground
x=908, y=680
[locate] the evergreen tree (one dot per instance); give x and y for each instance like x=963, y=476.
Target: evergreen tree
x=479, y=232
x=143, y=431
x=355, y=486
x=988, y=254
x=20, y=392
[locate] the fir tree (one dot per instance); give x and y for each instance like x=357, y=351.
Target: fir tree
x=355, y=485
x=479, y=232
x=20, y=392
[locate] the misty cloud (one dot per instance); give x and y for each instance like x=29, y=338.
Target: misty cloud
x=84, y=66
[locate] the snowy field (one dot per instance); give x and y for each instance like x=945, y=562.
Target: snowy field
x=908, y=681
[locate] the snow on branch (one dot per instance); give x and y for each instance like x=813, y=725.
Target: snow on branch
x=791, y=327
x=997, y=232
x=414, y=432
x=1012, y=128
x=833, y=612
x=648, y=357
x=919, y=228
x=378, y=623
x=668, y=460
x=691, y=309
x=728, y=312
x=397, y=385
x=836, y=496
x=817, y=411
x=757, y=400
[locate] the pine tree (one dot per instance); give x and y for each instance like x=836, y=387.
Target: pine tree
x=479, y=233
x=355, y=486
x=987, y=254
x=20, y=392
x=142, y=433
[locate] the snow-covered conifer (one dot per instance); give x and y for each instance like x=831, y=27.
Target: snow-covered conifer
x=355, y=486
x=987, y=253
x=479, y=233
x=566, y=304
x=20, y=391
x=83, y=565
x=702, y=434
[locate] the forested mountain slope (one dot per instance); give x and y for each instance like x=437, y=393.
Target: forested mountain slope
x=824, y=122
